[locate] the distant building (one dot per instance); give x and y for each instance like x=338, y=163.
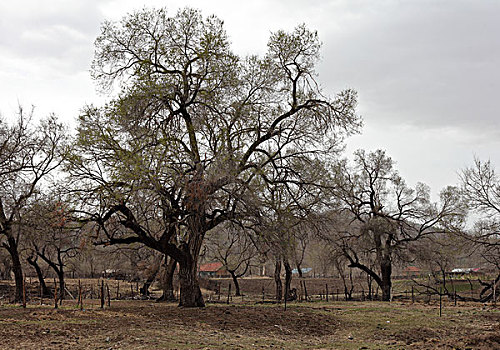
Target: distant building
x=305, y=271
x=215, y=269
x=412, y=271
x=465, y=271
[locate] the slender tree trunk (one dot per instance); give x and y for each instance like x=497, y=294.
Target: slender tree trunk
x=235, y=282
x=288, y=279
x=149, y=281
x=62, y=289
x=386, y=272
x=45, y=290
x=16, y=267
x=299, y=271
x=277, y=280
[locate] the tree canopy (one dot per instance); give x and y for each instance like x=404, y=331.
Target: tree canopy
x=195, y=128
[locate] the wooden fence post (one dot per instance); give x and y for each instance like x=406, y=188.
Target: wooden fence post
x=55, y=294
x=102, y=294
x=305, y=290
x=109, y=295
x=326, y=285
x=80, y=295
x=228, y=293
x=440, y=304
x=24, y=292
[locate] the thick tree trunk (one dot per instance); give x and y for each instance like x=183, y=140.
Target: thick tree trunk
x=45, y=290
x=386, y=283
x=16, y=268
x=235, y=282
x=288, y=280
x=190, y=289
x=168, y=280
x=277, y=280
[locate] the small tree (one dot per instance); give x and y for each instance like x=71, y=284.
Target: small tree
x=232, y=247
x=54, y=237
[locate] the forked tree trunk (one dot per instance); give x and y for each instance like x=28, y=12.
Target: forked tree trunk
x=277, y=280
x=45, y=290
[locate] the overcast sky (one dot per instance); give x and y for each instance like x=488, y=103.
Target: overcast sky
x=427, y=71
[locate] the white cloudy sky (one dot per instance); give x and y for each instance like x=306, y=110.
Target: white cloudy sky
x=427, y=71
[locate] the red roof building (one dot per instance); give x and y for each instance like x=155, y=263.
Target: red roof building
x=215, y=269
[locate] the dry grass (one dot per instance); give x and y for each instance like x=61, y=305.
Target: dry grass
x=334, y=325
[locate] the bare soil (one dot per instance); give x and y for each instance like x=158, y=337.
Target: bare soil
x=136, y=324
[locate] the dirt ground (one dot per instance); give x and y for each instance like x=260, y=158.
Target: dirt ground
x=135, y=324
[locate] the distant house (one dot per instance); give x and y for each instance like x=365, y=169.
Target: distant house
x=305, y=271
x=464, y=271
x=215, y=269
x=412, y=271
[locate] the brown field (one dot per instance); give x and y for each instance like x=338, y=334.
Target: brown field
x=135, y=324
x=246, y=323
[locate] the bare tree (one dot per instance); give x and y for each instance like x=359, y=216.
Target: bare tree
x=196, y=126
x=377, y=212
x=233, y=247
x=54, y=237
x=29, y=153
x=481, y=189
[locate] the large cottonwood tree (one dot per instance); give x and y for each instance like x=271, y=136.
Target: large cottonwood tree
x=194, y=128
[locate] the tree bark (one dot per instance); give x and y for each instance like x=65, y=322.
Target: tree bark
x=168, y=280
x=45, y=290
x=235, y=282
x=277, y=280
x=288, y=279
x=189, y=287
x=62, y=289
x=386, y=283
x=149, y=281
x=11, y=247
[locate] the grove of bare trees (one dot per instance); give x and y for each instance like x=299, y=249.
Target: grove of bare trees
x=200, y=153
